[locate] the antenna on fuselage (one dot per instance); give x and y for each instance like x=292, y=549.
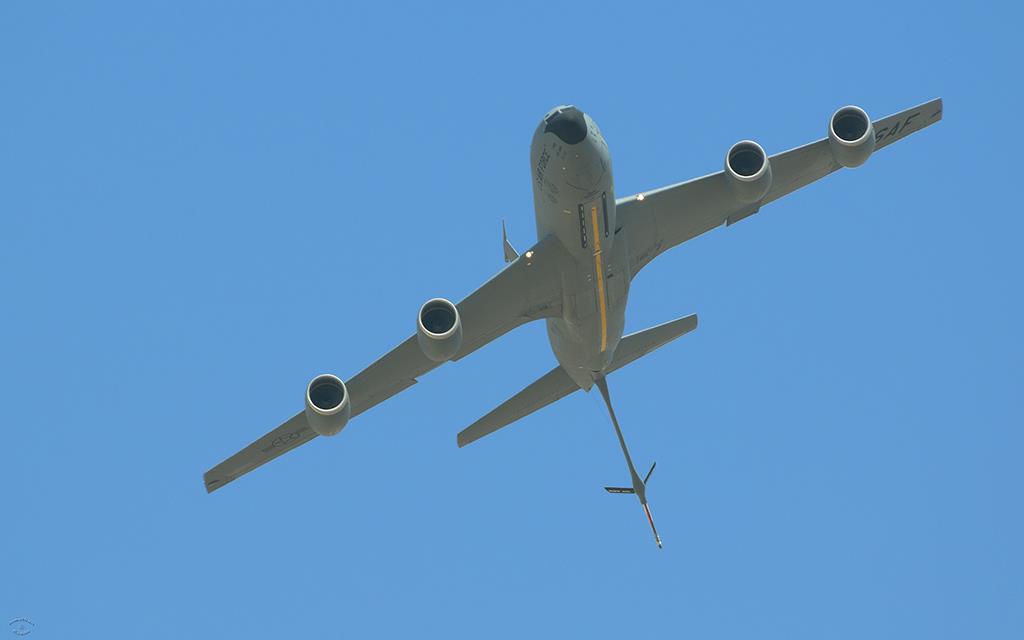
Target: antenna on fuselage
x=510, y=253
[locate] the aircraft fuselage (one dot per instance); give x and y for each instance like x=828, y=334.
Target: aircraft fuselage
x=574, y=200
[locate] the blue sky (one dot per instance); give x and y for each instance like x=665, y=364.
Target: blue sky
x=202, y=205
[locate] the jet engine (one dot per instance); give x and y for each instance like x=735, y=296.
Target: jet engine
x=748, y=171
x=439, y=329
x=851, y=136
x=327, y=404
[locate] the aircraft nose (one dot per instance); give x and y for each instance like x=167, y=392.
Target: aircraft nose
x=567, y=123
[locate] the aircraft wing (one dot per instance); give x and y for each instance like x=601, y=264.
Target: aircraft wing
x=530, y=288
x=660, y=219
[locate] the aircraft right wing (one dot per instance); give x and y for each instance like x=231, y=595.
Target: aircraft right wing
x=657, y=220
x=530, y=288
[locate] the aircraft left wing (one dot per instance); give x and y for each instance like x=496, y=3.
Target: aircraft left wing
x=655, y=221
x=530, y=288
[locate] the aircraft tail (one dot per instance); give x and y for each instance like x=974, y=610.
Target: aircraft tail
x=556, y=384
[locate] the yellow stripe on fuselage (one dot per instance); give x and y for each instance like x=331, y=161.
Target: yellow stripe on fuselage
x=600, y=280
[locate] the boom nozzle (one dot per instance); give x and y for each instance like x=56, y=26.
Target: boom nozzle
x=657, y=538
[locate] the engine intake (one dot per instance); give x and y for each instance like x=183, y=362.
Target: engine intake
x=748, y=171
x=851, y=136
x=439, y=329
x=327, y=405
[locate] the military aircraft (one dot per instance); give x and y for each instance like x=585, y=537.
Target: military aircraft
x=577, y=277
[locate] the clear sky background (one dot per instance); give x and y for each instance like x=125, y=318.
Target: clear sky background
x=202, y=205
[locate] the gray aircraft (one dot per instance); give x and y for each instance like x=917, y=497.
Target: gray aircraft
x=576, y=278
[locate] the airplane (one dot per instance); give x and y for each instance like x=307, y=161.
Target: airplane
x=577, y=276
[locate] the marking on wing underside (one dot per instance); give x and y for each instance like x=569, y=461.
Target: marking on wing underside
x=599, y=272
x=900, y=127
x=284, y=440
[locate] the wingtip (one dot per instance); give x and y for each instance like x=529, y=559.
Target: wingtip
x=212, y=484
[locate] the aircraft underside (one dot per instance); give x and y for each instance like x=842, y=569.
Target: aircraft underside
x=576, y=277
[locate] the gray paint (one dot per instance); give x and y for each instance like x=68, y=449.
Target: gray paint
x=556, y=280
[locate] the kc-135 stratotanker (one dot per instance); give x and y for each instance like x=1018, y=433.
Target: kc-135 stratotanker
x=576, y=277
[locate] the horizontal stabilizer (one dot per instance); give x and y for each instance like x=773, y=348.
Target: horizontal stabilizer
x=643, y=342
x=556, y=384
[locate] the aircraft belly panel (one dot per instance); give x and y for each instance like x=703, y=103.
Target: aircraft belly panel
x=574, y=200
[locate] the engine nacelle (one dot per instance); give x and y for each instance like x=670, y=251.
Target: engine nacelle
x=439, y=329
x=327, y=406
x=748, y=171
x=851, y=136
